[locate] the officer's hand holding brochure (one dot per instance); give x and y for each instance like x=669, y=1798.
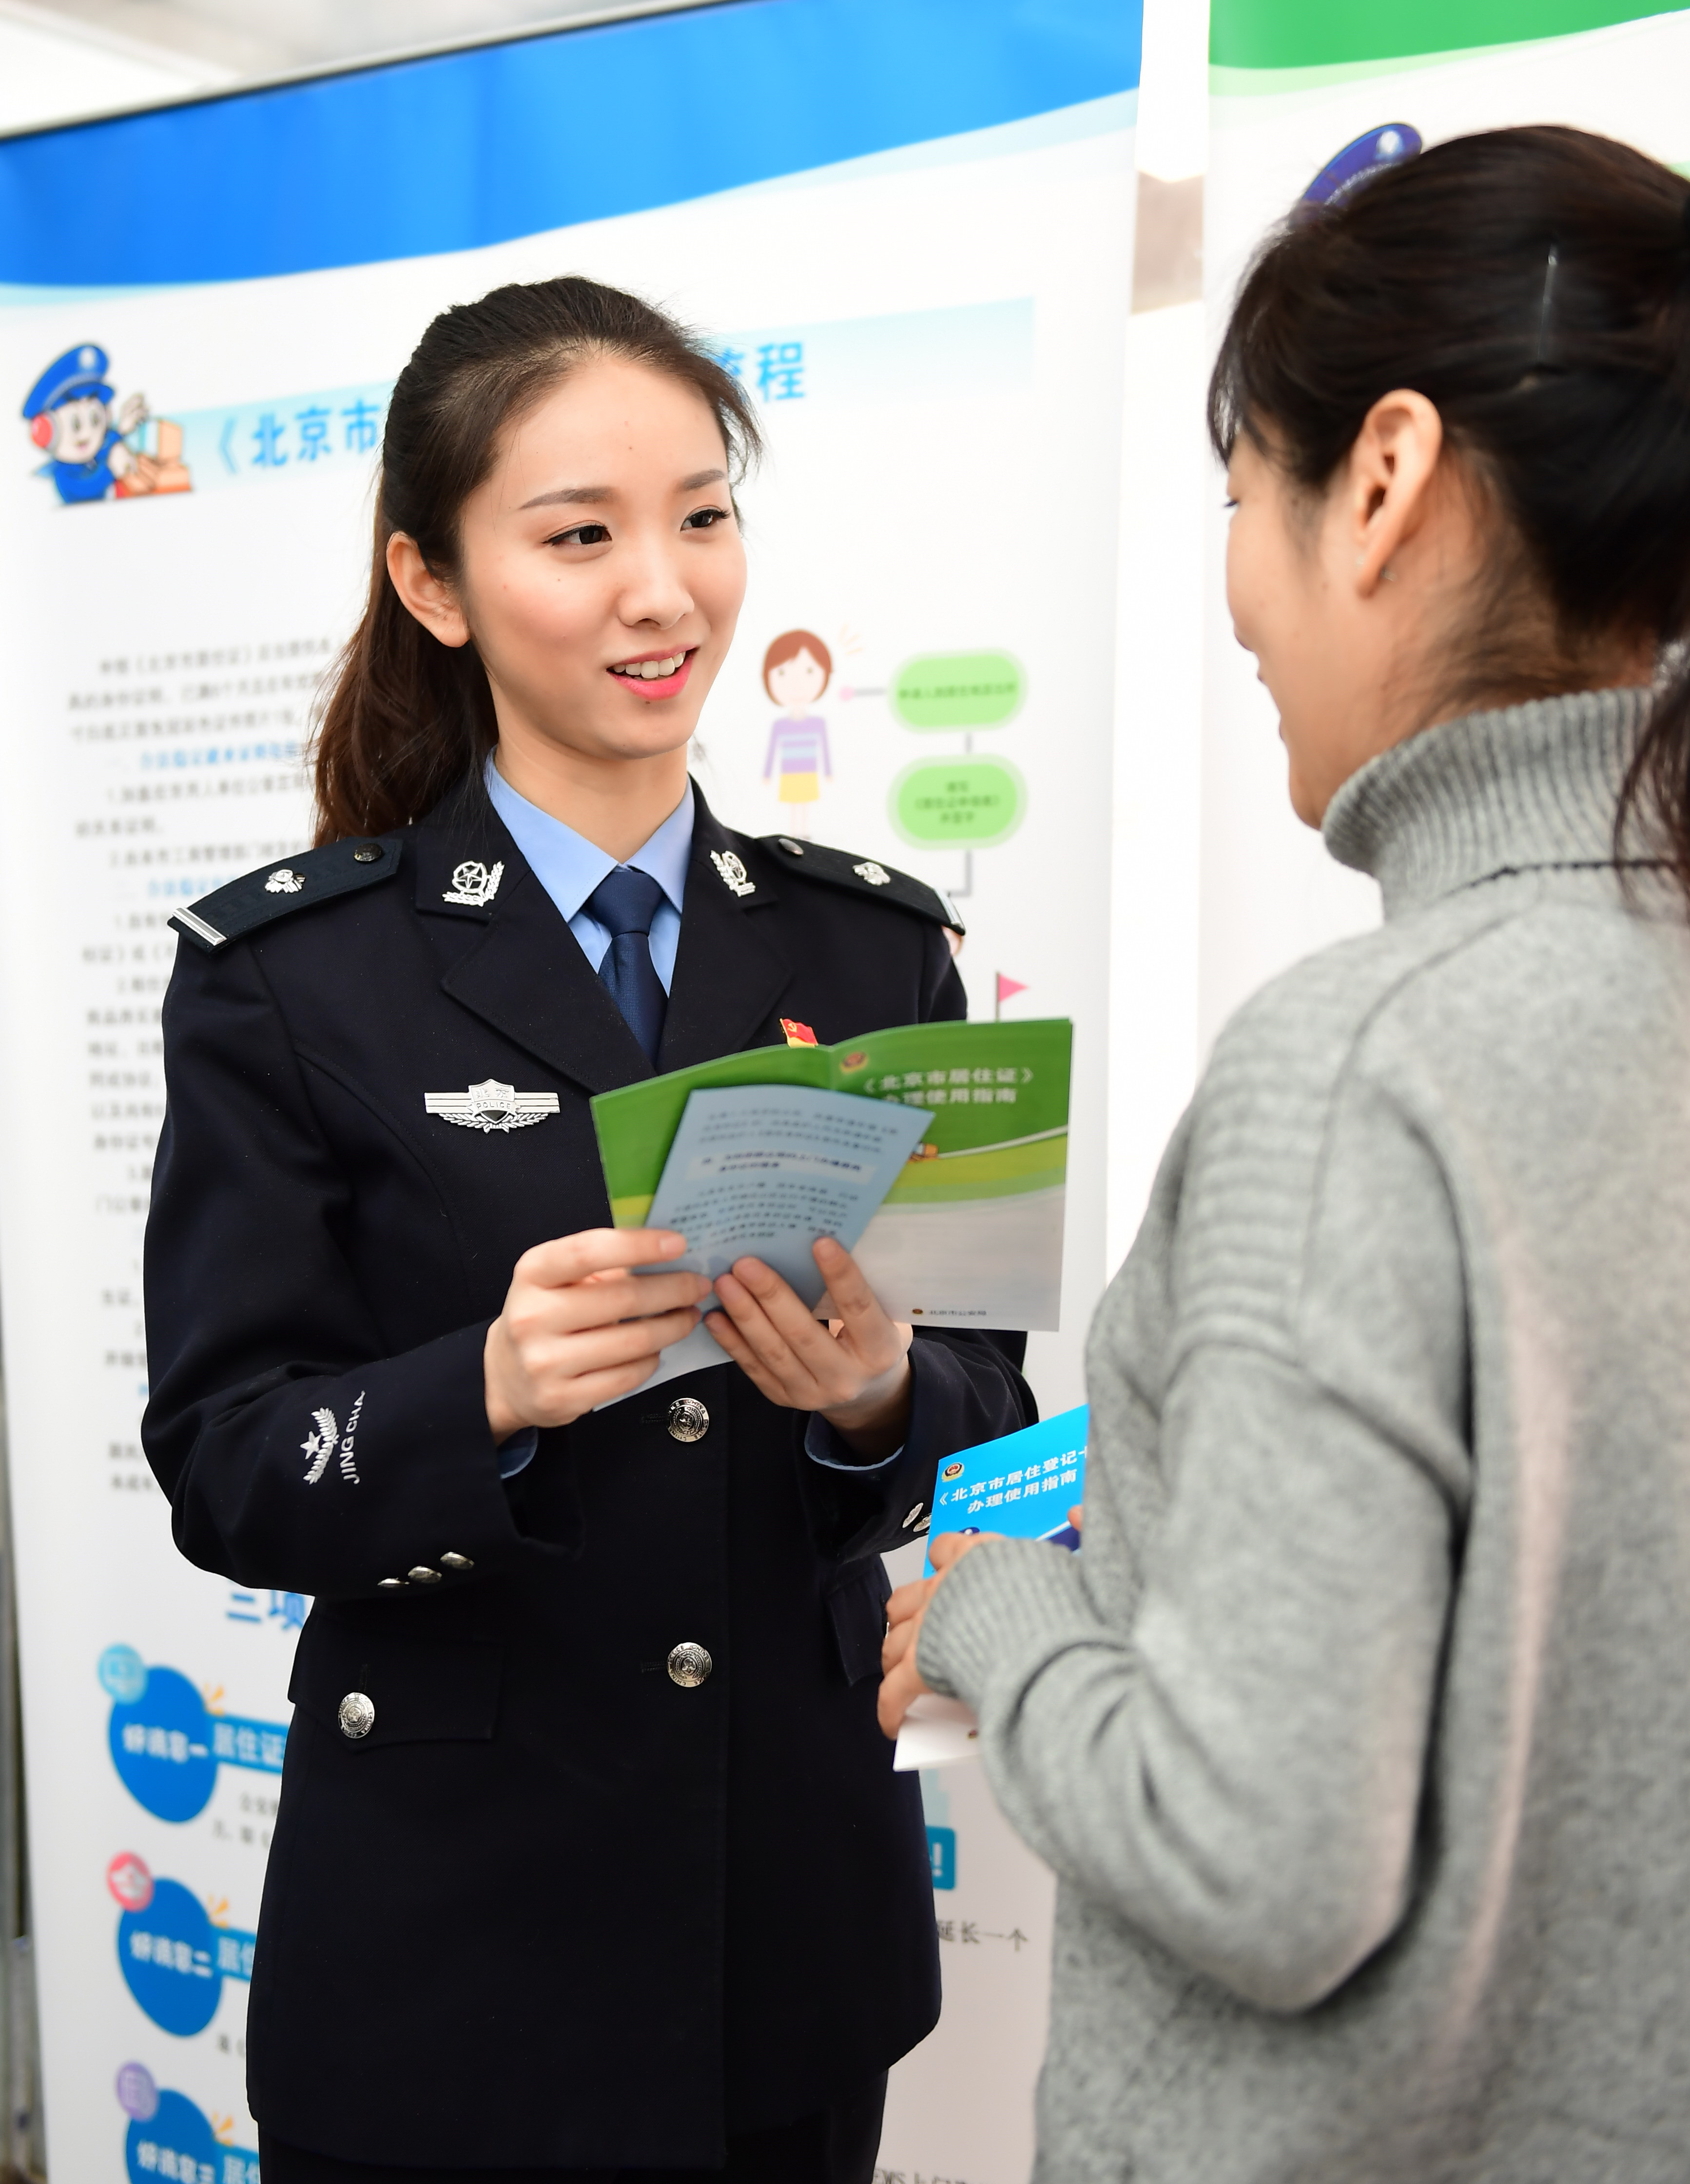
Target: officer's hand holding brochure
x=1020, y=1487
x=938, y=1153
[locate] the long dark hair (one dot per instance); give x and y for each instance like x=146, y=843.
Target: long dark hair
x=407, y=718
x=1534, y=284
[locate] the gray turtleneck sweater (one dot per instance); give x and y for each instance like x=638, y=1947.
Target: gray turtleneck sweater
x=1359, y=1736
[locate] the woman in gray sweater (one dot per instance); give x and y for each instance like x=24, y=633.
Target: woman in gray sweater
x=1359, y=1736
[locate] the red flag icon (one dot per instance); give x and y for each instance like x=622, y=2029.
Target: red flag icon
x=1006, y=987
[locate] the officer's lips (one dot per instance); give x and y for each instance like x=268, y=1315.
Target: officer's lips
x=656, y=674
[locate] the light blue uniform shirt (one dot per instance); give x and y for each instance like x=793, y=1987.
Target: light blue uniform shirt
x=569, y=868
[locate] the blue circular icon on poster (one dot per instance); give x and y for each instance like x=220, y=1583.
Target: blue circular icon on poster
x=167, y=1955
x=123, y=1673
x=1388, y=145
x=175, y=2127
x=161, y=1747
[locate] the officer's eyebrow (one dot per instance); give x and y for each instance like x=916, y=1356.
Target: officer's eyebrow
x=570, y=495
x=576, y=496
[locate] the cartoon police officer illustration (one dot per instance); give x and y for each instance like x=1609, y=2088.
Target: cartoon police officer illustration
x=70, y=416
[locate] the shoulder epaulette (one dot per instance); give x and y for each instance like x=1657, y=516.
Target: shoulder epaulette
x=862, y=876
x=257, y=898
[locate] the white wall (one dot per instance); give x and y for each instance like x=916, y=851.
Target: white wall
x=1166, y=476
x=54, y=69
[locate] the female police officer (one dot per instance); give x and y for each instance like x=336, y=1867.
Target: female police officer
x=589, y=1862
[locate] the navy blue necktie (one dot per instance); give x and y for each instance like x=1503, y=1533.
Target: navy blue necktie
x=625, y=902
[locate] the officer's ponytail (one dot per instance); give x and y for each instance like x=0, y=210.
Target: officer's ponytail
x=1535, y=285
x=407, y=719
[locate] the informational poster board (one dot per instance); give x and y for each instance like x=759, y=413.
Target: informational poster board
x=906, y=225
x=1294, y=82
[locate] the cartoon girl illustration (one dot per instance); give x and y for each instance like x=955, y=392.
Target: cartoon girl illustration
x=797, y=669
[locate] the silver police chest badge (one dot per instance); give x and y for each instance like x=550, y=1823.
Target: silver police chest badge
x=491, y=1106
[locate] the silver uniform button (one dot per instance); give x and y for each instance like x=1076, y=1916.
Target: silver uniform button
x=357, y=1715
x=390, y=1584
x=688, y=1419
x=450, y=1561
x=420, y=1574
x=688, y=1666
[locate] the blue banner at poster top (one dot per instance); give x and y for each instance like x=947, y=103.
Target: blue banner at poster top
x=453, y=151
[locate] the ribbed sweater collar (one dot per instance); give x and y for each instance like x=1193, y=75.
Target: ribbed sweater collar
x=1530, y=786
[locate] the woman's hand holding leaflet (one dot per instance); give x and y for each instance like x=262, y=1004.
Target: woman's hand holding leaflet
x=854, y=1372
x=901, y=1679
x=580, y=1327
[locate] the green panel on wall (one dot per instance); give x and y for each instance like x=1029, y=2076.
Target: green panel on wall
x=1279, y=34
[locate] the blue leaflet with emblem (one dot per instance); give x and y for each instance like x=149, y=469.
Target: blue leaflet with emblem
x=1022, y=1485
x=766, y=1170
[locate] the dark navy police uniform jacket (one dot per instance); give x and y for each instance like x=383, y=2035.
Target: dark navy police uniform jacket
x=550, y=1907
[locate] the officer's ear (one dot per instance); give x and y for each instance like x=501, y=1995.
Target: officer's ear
x=42, y=431
x=429, y=598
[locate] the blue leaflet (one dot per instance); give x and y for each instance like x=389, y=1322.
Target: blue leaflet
x=1023, y=1485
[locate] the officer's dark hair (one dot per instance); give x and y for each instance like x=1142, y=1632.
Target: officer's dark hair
x=1534, y=285
x=406, y=719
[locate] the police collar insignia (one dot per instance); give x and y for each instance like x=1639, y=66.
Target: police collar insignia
x=473, y=884
x=876, y=875
x=733, y=875
x=491, y=1106
x=284, y=881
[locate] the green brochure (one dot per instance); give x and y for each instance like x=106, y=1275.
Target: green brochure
x=970, y=1232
